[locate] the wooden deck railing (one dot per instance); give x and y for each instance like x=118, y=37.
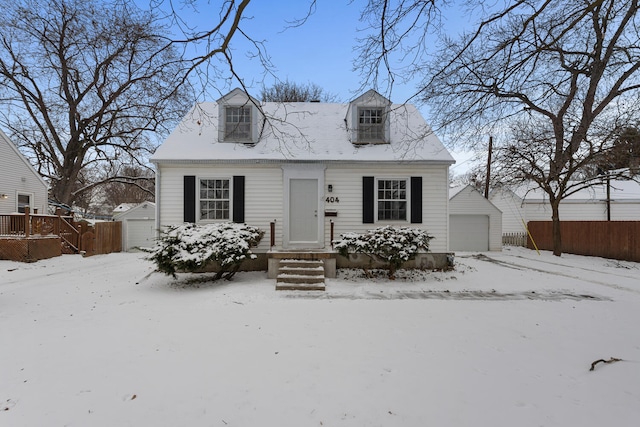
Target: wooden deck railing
x=70, y=235
x=27, y=224
x=12, y=225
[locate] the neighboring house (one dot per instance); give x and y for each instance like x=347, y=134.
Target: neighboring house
x=590, y=204
x=475, y=223
x=20, y=184
x=305, y=169
x=138, y=225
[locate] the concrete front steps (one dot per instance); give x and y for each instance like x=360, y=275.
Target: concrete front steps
x=302, y=269
x=300, y=275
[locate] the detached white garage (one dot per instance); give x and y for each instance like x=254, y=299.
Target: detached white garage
x=475, y=224
x=138, y=226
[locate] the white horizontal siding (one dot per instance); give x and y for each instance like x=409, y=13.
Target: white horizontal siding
x=512, y=211
x=347, y=186
x=264, y=197
x=264, y=201
x=17, y=176
x=625, y=211
x=587, y=211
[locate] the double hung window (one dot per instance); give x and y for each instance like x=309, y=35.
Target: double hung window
x=214, y=199
x=237, y=123
x=392, y=199
x=370, y=125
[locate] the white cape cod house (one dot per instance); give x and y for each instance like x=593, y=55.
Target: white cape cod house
x=305, y=172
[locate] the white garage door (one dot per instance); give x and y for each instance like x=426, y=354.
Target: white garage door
x=140, y=233
x=469, y=232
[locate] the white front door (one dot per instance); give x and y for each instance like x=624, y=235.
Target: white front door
x=303, y=211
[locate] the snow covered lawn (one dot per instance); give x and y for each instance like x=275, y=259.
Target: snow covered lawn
x=505, y=340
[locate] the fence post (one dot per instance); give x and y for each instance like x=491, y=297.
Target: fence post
x=56, y=222
x=79, y=227
x=27, y=222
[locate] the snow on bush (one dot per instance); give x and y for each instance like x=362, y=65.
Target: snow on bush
x=191, y=247
x=389, y=245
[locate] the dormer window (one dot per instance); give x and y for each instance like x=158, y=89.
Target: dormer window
x=370, y=125
x=368, y=119
x=237, y=123
x=239, y=118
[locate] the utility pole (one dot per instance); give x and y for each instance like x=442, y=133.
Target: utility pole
x=608, y=197
x=486, y=184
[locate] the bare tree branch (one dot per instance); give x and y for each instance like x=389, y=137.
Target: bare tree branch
x=86, y=83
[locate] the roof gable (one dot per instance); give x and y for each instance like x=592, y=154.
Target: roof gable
x=371, y=97
x=150, y=206
x=237, y=97
x=4, y=139
x=469, y=192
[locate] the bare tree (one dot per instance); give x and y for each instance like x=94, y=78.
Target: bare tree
x=554, y=79
x=132, y=184
x=85, y=83
x=625, y=152
x=396, y=38
x=210, y=57
x=286, y=91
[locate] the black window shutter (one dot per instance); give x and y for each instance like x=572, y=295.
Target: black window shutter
x=189, y=198
x=238, y=199
x=367, y=199
x=416, y=200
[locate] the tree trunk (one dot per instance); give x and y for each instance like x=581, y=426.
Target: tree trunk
x=555, y=233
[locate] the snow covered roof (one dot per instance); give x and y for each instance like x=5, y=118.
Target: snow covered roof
x=302, y=131
x=132, y=207
x=123, y=207
x=453, y=191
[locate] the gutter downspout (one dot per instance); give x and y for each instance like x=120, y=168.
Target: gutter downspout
x=158, y=181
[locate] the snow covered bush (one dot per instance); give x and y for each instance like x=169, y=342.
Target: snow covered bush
x=389, y=245
x=191, y=247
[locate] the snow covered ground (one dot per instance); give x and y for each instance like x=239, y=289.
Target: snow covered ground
x=505, y=340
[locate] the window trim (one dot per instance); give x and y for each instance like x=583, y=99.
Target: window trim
x=382, y=125
x=407, y=199
x=231, y=138
x=199, y=180
x=24, y=193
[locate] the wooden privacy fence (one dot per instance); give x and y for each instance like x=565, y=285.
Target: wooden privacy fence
x=102, y=238
x=607, y=239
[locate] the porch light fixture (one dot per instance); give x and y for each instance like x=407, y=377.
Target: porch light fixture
x=4, y=196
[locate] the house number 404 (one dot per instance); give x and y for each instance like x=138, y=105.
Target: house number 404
x=332, y=200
